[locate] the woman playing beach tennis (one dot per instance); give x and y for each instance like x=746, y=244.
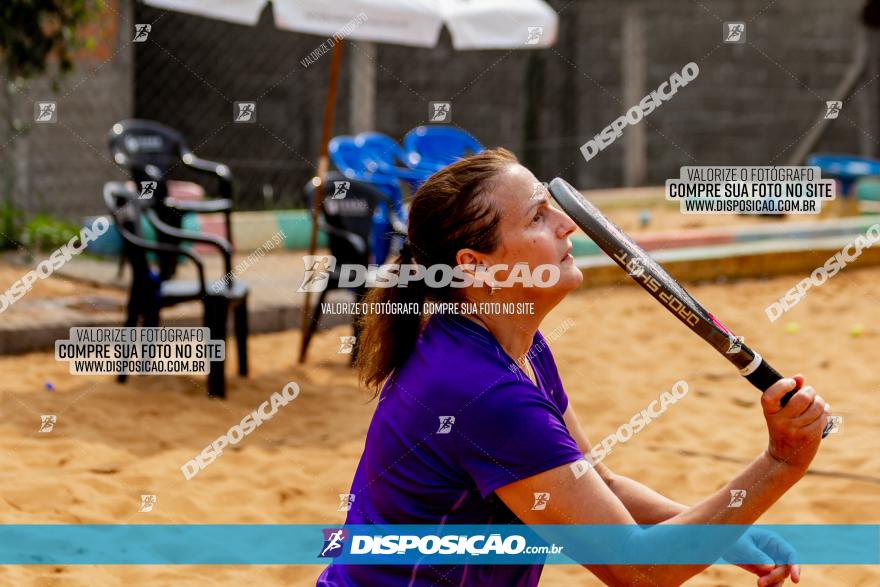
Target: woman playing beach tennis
x=472, y=421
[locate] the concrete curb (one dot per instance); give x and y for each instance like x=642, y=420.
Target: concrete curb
x=262, y=320
x=732, y=261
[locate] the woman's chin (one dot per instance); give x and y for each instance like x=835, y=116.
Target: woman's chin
x=569, y=280
x=571, y=277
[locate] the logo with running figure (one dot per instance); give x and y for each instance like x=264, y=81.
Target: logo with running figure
x=244, y=112
x=346, y=500
x=340, y=189
x=541, y=501
x=47, y=422
x=317, y=275
x=737, y=497
x=141, y=32
x=832, y=109
x=539, y=189
x=734, y=345
x=440, y=112
x=148, y=188
x=334, y=540
x=147, y=503
x=446, y=423
x=346, y=345
x=835, y=424
x=46, y=112
x=636, y=267
x=534, y=35
x=734, y=32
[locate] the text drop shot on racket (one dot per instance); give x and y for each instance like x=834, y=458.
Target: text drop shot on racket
x=654, y=279
x=467, y=432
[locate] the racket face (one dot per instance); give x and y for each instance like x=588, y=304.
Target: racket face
x=642, y=268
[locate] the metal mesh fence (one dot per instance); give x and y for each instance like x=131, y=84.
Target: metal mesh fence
x=750, y=104
x=192, y=70
x=542, y=104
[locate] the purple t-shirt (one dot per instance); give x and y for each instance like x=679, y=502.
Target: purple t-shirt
x=420, y=467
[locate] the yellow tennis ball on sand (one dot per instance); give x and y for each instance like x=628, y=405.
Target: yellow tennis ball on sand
x=856, y=330
x=792, y=327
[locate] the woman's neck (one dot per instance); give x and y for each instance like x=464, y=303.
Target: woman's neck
x=514, y=333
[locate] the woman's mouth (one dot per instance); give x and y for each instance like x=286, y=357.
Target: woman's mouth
x=567, y=256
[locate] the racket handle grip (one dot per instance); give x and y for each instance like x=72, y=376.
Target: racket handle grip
x=765, y=376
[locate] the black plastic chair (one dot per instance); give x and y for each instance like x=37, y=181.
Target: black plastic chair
x=150, y=293
x=151, y=151
x=348, y=222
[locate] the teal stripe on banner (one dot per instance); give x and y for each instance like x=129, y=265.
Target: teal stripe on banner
x=303, y=544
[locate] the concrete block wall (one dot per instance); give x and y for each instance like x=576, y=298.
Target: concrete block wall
x=62, y=166
x=749, y=105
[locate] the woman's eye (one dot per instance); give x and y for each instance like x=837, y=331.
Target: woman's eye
x=538, y=216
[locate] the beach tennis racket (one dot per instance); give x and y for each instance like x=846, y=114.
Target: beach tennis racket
x=650, y=275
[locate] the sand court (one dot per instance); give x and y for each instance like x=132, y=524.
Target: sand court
x=619, y=350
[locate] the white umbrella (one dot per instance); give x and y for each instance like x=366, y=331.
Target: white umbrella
x=472, y=24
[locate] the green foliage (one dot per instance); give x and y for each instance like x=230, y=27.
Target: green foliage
x=39, y=233
x=32, y=31
x=10, y=226
x=33, y=34
x=45, y=233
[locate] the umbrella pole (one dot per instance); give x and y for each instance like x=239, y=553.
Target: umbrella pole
x=323, y=165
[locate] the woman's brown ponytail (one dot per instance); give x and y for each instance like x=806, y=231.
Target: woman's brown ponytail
x=450, y=211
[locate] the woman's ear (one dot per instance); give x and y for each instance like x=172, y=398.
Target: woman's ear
x=474, y=264
x=468, y=257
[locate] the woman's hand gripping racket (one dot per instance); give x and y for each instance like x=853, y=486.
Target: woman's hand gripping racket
x=651, y=276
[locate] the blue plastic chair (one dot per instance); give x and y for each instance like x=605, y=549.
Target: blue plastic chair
x=384, y=154
x=845, y=168
x=352, y=161
x=438, y=146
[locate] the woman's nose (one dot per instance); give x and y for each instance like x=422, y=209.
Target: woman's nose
x=566, y=225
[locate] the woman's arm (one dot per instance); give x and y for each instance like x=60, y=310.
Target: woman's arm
x=795, y=433
x=650, y=507
x=644, y=504
x=588, y=500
